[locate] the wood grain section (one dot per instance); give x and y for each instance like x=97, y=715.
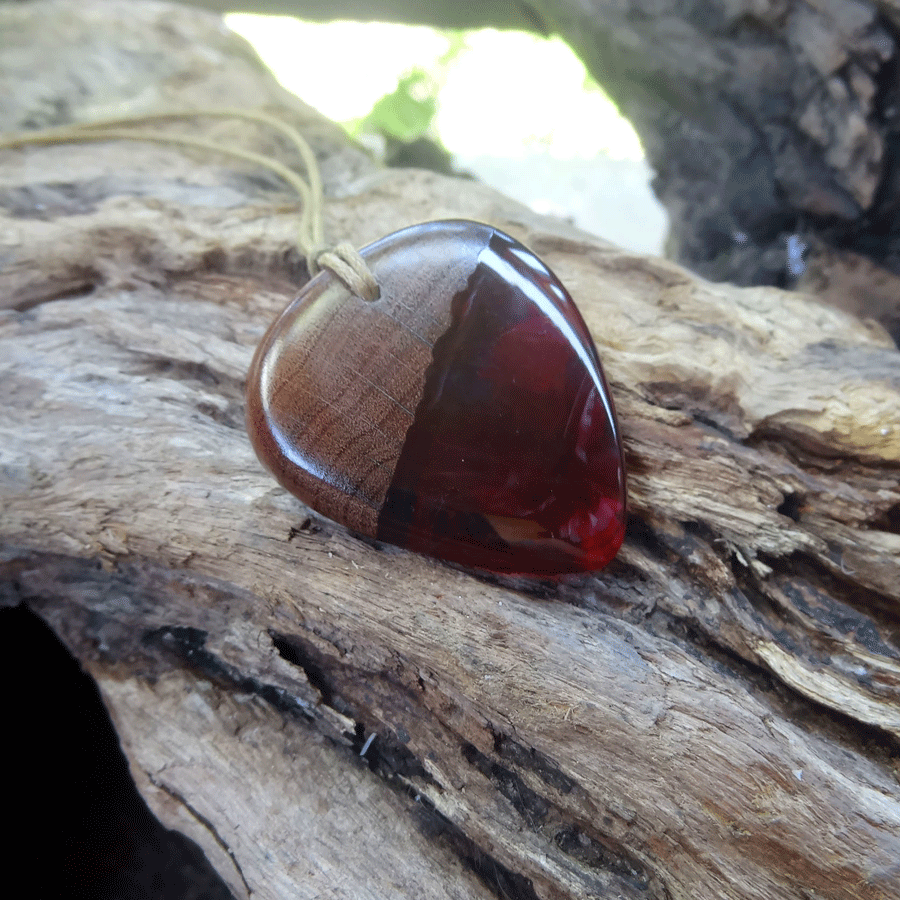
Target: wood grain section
x=715, y=716
x=336, y=381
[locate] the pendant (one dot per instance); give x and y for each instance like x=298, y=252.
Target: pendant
x=464, y=414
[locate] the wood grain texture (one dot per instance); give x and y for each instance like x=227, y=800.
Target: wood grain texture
x=716, y=715
x=336, y=381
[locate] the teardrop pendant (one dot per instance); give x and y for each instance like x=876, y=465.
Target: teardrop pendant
x=463, y=415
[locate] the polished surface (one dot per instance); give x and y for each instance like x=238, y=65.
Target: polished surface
x=463, y=415
x=513, y=462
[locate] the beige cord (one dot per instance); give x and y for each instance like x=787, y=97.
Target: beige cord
x=343, y=260
x=350, y=268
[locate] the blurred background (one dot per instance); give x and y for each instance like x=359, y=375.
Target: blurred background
x=549, y=138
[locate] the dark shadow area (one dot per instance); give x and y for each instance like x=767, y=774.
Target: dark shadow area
x=81, y=828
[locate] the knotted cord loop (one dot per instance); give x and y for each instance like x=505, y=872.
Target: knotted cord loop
x=343, y=260
x=350, y=268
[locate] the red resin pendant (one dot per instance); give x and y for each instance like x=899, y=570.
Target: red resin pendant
x=464, y=414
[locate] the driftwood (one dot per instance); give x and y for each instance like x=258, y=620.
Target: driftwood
x=716, y=715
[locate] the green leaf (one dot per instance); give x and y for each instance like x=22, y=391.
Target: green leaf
x=407, y=112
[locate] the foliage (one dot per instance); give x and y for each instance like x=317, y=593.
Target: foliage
x=407, y=112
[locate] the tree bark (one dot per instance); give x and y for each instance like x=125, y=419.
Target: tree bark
x=715, y=715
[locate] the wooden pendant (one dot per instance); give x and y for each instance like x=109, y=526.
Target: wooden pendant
x=464, y=414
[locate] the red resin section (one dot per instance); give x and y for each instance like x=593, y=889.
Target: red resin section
x=513, y=462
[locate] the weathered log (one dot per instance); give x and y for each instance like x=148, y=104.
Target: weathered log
x=715, y=715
